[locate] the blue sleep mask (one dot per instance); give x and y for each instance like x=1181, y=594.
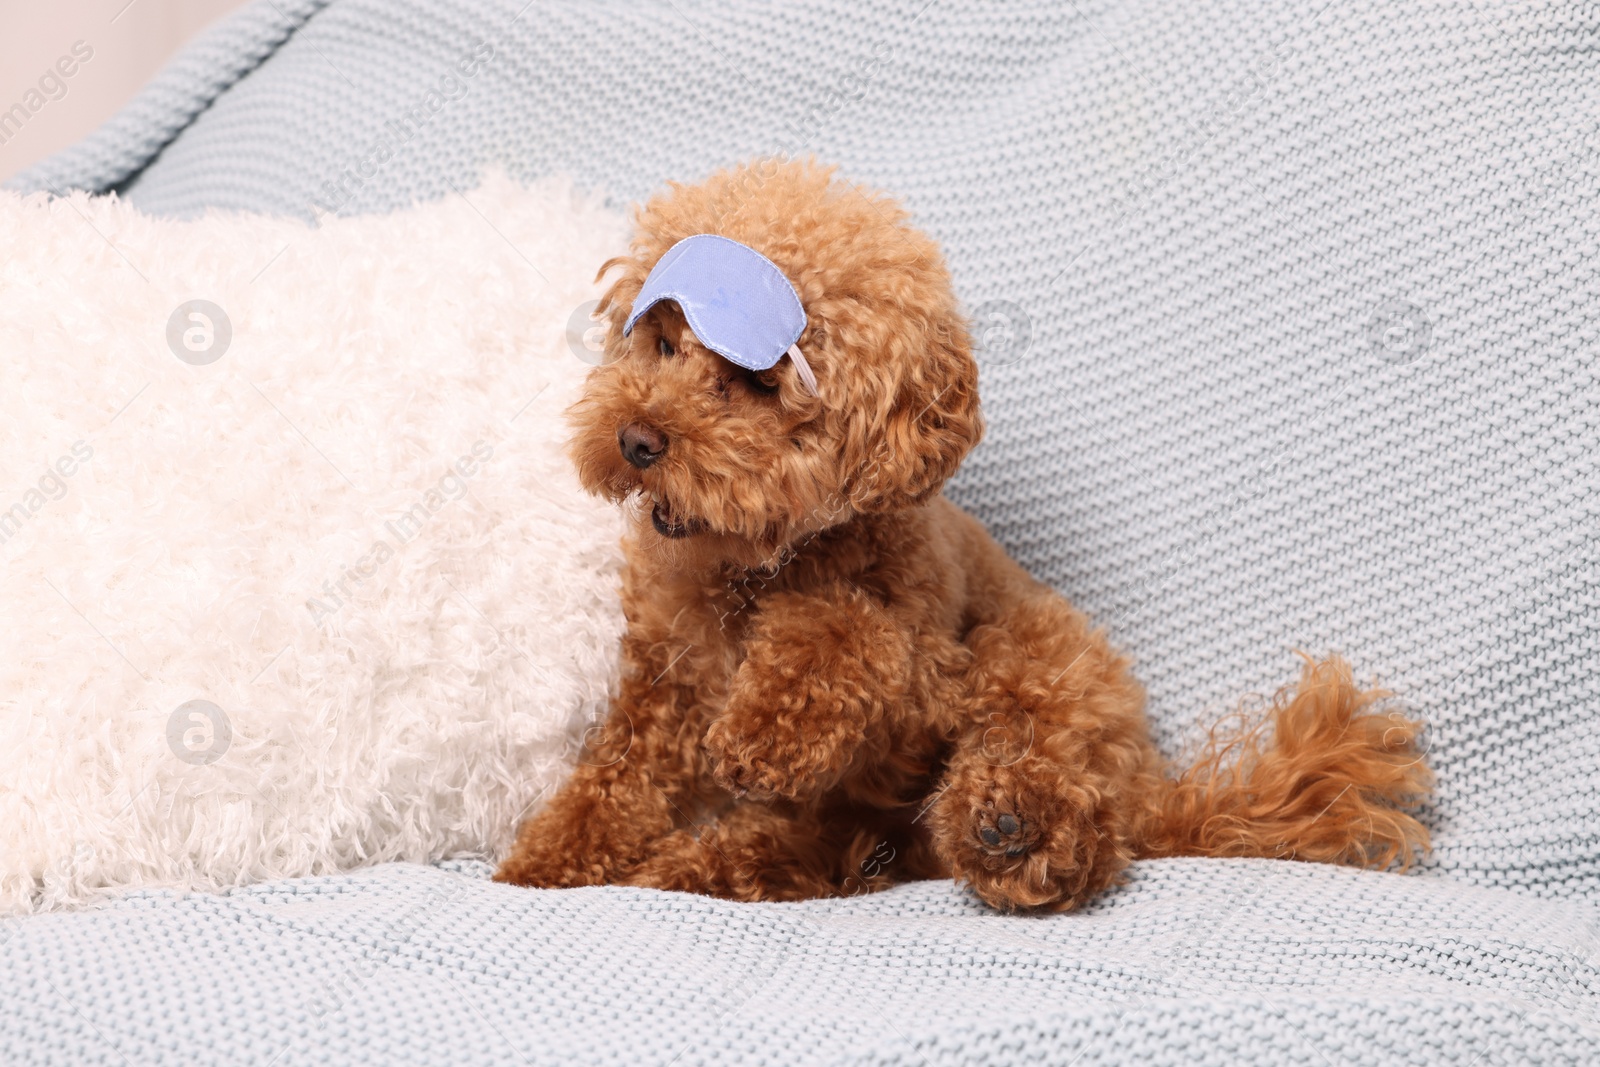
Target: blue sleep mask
x=737, y=301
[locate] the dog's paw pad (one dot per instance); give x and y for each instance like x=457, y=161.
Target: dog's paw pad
x=1005, y=834
x=744, y=775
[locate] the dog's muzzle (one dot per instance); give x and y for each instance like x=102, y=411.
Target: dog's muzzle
x=641, y=445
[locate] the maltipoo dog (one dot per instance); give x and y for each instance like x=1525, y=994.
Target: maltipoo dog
x=834, y=679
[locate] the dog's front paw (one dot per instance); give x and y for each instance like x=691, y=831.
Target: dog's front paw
x=1024, y=836
x=783, y=752
x=741, y=764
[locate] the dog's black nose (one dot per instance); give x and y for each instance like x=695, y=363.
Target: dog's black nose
x=641, y=445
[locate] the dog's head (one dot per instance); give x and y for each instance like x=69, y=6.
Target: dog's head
x=735, y=465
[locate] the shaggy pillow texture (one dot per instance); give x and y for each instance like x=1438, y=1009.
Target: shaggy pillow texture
x=296, y=575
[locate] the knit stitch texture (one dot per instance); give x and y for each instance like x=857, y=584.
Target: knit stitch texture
x=1195, y=962
x=1290, y=333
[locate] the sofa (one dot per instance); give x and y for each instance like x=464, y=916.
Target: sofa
x=1288, y=319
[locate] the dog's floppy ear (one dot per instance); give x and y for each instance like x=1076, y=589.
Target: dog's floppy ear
x=617, y=301
x=926, y=416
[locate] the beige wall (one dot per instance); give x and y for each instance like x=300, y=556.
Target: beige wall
x=129, y=42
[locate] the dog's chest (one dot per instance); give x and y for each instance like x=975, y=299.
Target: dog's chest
x=695, y=634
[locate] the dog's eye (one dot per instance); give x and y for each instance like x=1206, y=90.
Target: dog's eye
x=664, y=346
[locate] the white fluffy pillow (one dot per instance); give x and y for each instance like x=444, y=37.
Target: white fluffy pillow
x=317, y=594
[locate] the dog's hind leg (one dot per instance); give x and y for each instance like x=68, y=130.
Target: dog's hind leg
x=1049, y=792
x=785, y=852
x=1056, y=786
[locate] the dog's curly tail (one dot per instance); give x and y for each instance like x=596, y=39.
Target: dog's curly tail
x=1320, y=777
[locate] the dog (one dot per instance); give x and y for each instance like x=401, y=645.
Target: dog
x=834, y=680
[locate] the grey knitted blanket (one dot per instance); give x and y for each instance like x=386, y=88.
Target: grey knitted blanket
x=1195, y=962
x=1291, y=319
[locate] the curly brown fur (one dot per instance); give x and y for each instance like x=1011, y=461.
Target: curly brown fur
x=835, y=680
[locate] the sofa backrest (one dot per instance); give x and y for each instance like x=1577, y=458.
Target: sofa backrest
x=1289, y=310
